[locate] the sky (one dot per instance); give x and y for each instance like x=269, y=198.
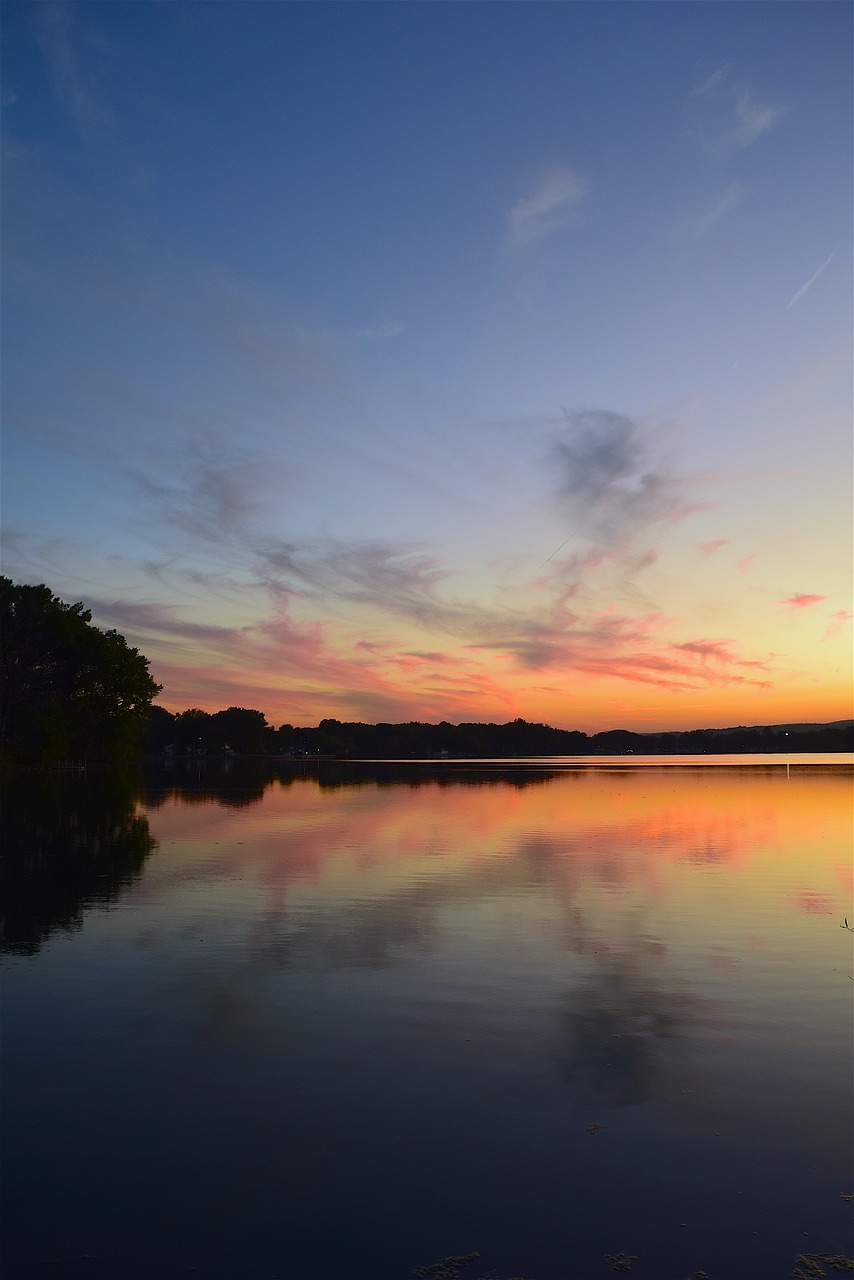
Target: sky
x=426, y=361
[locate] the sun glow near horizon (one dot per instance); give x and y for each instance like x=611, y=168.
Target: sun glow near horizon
x=544, y=415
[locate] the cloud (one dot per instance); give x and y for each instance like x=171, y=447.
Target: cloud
x=344, y=661
x=560, y=633
x=275, y=659
x=718, y=651
x=31, y=558
x=13, y=540
x=801, y=601
x=732, y=119
x=709, y=548
x=837, y=622
x=701, y=225
x=217, y=491
x=714, y=80
x=809, y=284
x=382, y=331
x=396, y=578
x=752, y=122
x=383, y=573
x=317, y=613
x=631, y=649
x=547, y=206
x=164, y=621
x=609, y=481
x=72, y=87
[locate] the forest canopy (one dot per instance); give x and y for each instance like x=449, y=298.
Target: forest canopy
x=68, y=690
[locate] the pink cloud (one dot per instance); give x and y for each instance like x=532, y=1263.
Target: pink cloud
x=628, y=649
x=718, y=651
x=709, y=548
x=745, y=562
x=801, y=600
x=296, y=667
x=837, y=622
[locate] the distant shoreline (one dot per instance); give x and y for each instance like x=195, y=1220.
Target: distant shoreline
x=241, y=731
x=591, y=758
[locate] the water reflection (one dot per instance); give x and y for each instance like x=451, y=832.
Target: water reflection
x=347, y=1019
x=623, y=1034
x=236, y=782
x=68, y=842
x=232, y=783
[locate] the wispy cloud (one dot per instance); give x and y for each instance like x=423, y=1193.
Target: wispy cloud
x=559, y=633
x=632, y=649
x=272, y=659
x=709, y=548
x=555, y=635
x=703, y=223
x=547, y=207
x=215, y=491
x=317, y=613
x=711, y=82
x=383, y=574
x=33, y=558
x=396, y=578
x=731, y=118
x=752, y=121
x=72, y=85
x=145, y=617
x=837, y=622
x=610, y=481
x=809, y=284
x=801, y=600
x=381, y=331
x=327, y=639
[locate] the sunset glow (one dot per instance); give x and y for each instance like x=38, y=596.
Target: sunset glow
x=439, y=362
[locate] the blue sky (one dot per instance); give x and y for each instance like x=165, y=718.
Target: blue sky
x=438, y=361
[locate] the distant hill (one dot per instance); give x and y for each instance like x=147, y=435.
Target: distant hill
x=800, y=726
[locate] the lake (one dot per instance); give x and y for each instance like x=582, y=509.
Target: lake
x=322, y=1021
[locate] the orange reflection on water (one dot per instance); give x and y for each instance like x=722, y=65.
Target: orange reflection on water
x=620, y=830
x=652, y=911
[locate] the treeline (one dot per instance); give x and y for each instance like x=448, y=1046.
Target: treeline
x=237, y=730
x=68, y=690
x=241, y=731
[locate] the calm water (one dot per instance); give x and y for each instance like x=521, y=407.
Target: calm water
x=336, y=1022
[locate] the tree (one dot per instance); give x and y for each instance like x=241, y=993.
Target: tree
x=159, y=730
x=241, y=729
x=192, y=730
x=67, y=689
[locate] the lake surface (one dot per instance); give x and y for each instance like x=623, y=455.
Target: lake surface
x=336, y=1022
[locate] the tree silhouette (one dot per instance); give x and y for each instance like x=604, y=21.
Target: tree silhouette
x=67, y=689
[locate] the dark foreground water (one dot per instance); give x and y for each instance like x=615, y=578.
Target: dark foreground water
x=337, y=1025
